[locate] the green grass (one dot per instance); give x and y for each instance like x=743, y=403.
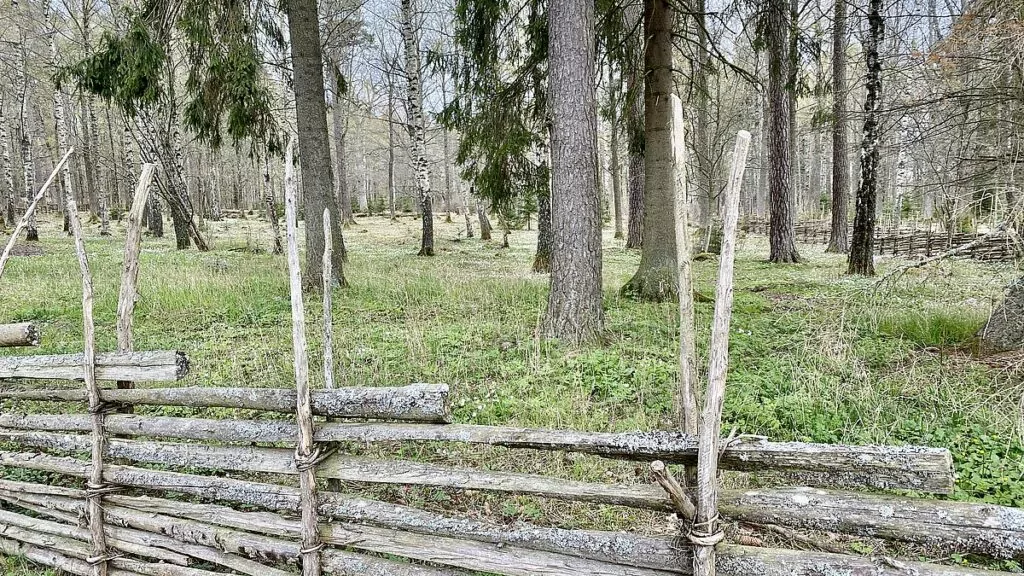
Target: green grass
x=815, y=355
x=943, y=327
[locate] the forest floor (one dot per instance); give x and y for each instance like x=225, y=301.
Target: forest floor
x=816, y=355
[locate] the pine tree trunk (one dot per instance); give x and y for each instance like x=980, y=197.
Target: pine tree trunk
x=781, y=235
x=862, y=247
x=655, y=279
x=702, y=140
x=313, y=140
x=636, y=176
x=574, y=312
x=542, y=260
x=838, y=241
x=417, y=133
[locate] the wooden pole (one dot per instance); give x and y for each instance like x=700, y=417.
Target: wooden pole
x=307, y=454
x=27, y=217
x=130, y=269
x=413, y=403
x=687, y=332
x=328, y=320
x=705, y=533
x=95, y=483
x=21, y=334
x=158, y=365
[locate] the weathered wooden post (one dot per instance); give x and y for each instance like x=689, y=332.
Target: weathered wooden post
x=130, y=268
x=95, y=487
x=307, y=454
x=687, y=409
x=705, y=533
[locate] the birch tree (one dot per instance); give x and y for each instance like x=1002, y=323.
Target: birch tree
x=862, y=247
x=416, y=123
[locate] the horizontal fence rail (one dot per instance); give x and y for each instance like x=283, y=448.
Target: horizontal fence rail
x=886, y=467
x=415, y=403
x=610, y=553
x=158, y=366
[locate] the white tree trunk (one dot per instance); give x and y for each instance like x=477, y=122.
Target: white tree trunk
x=27, y=163
x=7, y=206
x=58, y=109
x=417, y=131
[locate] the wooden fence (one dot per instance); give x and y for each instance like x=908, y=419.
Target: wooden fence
x=911, y=242
x=150, y=529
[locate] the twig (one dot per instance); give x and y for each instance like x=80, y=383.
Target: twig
x=795, y=536
x=27, y=217
x=683, y=505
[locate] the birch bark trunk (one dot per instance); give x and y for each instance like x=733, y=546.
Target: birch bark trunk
x=417, y=133
x=862, y=248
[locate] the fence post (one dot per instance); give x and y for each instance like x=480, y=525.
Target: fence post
x=130, y=268
x=95, y=488
x=307, y=454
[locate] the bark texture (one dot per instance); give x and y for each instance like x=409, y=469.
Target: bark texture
x=862, y=246
x=655, y=279
x=574, y=312
x=314, y=146
x=417, y=128
x=838, y=241
x=781, y=197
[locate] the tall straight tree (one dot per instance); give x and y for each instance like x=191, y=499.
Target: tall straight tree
x=838, y=239
x=574, y=311
x=781, y=234
x=862, y=248
x=417, y=131
x=314, y=144
x=634, y=104
x=655, y=279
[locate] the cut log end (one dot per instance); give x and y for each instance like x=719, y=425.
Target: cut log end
x=20, y=334
x=182, y=364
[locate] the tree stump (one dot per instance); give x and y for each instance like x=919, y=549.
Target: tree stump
x=1005, y=328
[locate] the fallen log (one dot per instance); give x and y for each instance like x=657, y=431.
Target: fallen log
x=158, y=366
x=658, y=553
x=414, y=403
x=53, y=559
x=888, y=467
x=22, y=334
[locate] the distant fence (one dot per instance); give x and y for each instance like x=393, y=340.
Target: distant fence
x=909, y=241
x=151, y=531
